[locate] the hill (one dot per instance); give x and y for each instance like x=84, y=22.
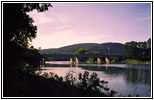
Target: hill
x=114, y=48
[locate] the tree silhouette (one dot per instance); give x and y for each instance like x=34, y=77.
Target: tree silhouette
x=18, y=26
x=139, y=50
x=18, y=31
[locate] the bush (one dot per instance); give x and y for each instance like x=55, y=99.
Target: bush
x=84, y=82
x=114, y=60
x=90, y=60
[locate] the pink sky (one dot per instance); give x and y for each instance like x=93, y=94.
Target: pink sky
x=72, y=23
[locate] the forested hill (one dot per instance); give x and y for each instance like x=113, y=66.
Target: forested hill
x=114, y=48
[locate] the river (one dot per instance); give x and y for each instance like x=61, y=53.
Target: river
x=123, y=78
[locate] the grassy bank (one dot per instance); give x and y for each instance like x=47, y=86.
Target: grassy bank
x=133, y=61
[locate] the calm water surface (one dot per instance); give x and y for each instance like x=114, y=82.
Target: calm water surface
x=123, y=78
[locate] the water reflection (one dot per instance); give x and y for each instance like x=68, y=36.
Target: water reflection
x=132, y=75
x=138, y=75
x=71, y=65
x=99, y=66
x=106, y=67
x=76, y=65
x=121, y=77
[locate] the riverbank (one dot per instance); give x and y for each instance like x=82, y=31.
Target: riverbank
x=133, y=61
x=126, y=61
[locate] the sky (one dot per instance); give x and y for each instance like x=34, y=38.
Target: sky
x=72, y=23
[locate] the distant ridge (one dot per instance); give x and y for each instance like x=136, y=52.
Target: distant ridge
x=114, y=48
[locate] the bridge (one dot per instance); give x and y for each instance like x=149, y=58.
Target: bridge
x=69, y=57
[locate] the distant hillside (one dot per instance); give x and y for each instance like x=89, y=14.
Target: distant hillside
x=114, y=48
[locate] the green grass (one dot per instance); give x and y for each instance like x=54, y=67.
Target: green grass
x=133, y=61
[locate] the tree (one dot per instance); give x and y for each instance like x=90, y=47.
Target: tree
x=18, y=31
x=18, y=55
x=139, y=50
x=131, y=48
x=80, y=51
x=149, y=43
x=18, y=26
x=148, y=51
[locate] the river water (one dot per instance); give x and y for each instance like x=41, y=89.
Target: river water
x=123, y=78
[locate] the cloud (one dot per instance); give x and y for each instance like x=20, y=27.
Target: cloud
x=47, y=17
x=61, y=17
x=40, y=18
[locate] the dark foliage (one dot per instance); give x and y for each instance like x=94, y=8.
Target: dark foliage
x=89, y=82
x=139, y=50
x=18, y=54
x=32, y=85
x=18, y=30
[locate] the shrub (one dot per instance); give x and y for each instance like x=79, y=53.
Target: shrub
x=84, y=82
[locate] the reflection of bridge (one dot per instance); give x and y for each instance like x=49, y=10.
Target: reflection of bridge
x=49, y=57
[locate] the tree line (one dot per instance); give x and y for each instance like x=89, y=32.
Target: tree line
x=138, y=50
